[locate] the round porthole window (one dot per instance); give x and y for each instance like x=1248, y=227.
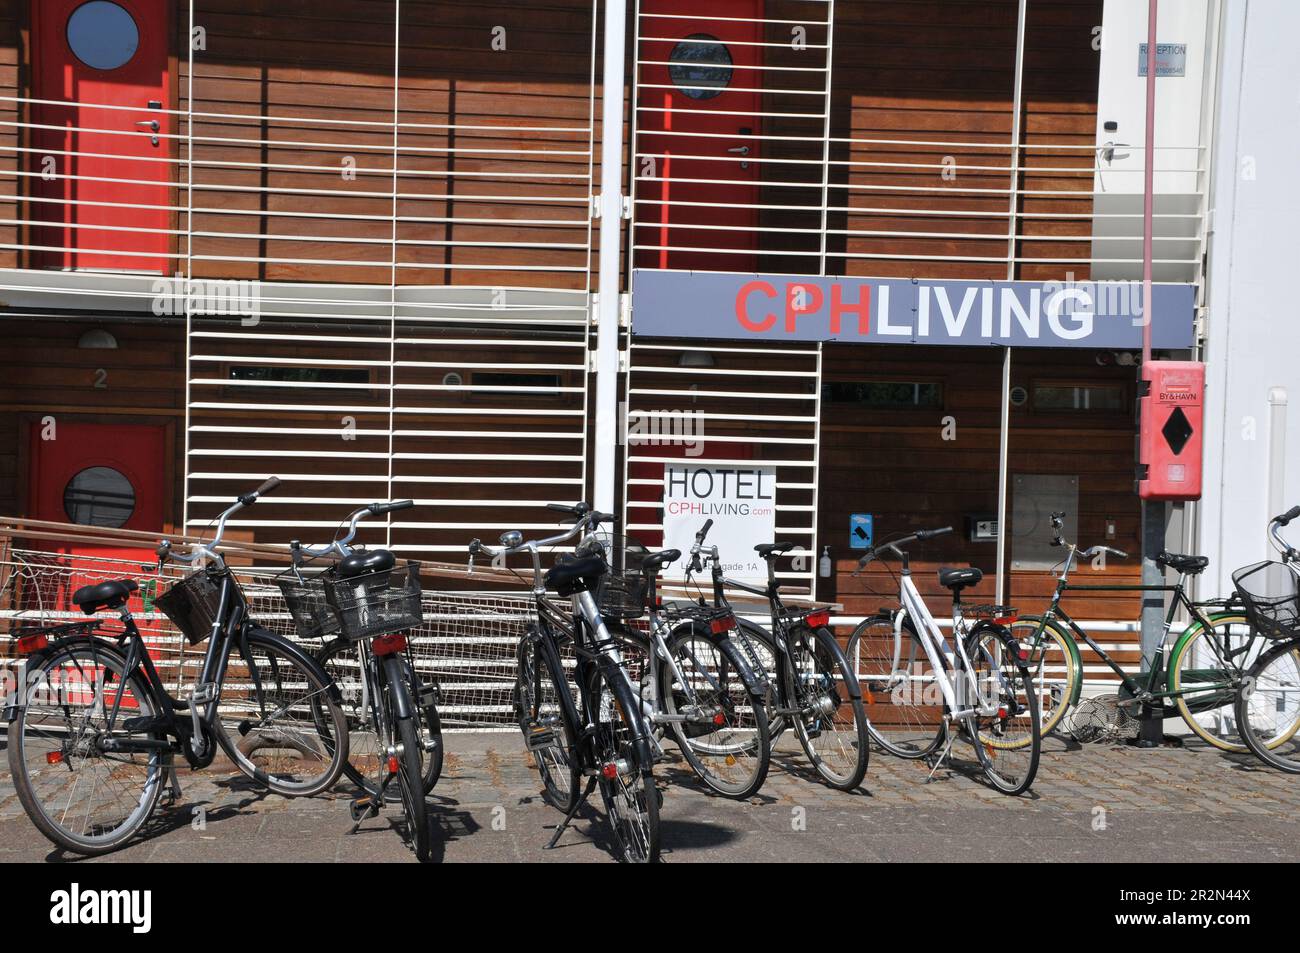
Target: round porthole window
x=103, y=35
x=99, y=496
x=700, y=66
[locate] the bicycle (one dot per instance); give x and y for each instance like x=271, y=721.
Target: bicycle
x=370, y=602
x=601, y=736
x=809, y=685
x=696, y=683
x=1198, y=683
x=93, y=738
x=1268, y=705
x=919, y=686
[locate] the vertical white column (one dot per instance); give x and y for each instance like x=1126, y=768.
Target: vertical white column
x=392, y=276
x=1277, y=502
x=189, y=257
x=611, y=218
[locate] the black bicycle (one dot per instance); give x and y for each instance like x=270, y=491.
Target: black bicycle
x=810, y=686
x=94, y=732
x=371, y=603
x=601, y=735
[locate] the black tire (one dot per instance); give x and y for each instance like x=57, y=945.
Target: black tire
x=39, y=732
x=341, y=660
x=411, y=783
x=1009, y=741
x=733, y=758
x=818, y=681
x=631, y=798
x=291, y=709
x=905, y=709
x=1266, y=707
x=539, y=707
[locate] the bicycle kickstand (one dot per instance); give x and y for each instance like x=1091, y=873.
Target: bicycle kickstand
x=564, y=824
x=950, y=737
x=173, y=794
x=369, y=805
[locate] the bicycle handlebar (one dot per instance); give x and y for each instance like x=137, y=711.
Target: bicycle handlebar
x=340, y=546
x=894, y=545
x=586, y=519
x=201, y=549
x=1288, y=552
x=1287, y=517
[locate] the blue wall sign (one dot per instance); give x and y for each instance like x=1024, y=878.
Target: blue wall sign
x=861, y=530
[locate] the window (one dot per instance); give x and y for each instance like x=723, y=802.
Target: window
x=885, y=395
x=103, y=35
x=700, y=66
x=1106, y=398
x=99, y=496
x=277, y=374
x=526, y=385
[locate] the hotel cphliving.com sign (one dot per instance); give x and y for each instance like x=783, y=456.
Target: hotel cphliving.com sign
x=774, y=308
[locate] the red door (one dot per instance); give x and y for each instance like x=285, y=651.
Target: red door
x=98, y=166
x=698, y=125
x=98, y=475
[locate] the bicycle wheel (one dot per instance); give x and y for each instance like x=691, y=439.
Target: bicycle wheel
x=81, y=797
x=280, y=720
x=547, y=721
x=1215, y=657
x=624, y=768
x=1053, y=665
x=732, y=758
x=903, y=703
x=341, y=660
x=1268, y=707
x=405, y=733
x=1005, y=730
x=831, y=724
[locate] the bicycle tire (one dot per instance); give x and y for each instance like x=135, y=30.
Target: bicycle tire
x=327, y=720
x=733, y=760
x=1054, y=664
x=22, y=768
x=1270, y=688
x=911, y=723
x=411, y=784
x=825, y=699
x=339, y=659
x=540, y=707
x=999, y=752
x=631, y=797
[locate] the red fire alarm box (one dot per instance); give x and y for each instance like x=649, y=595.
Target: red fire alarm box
x=1169, y=444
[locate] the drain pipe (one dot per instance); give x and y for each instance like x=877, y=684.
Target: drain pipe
x=610, y=210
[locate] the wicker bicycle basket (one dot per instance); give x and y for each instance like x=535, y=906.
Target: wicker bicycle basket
x=1270, y=591
x=621, y=592
x=376, y=603
x=304, y=596
x=192, y=603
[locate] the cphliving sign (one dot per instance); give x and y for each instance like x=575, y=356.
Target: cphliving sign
x=1091, y=314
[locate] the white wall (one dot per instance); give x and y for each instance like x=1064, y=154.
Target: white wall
x=1253, y=316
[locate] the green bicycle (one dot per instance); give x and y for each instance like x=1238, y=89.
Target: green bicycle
x=1199, y=682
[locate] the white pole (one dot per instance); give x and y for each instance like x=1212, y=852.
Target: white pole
x=1277, y=502
x=611, y=221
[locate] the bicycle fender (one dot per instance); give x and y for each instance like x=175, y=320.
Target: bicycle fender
x=395, y=672
x=827, y=637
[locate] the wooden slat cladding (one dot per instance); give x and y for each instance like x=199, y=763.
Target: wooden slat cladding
x=11, y=137
x=305, y=193
x=921, y=125
x=898, y=466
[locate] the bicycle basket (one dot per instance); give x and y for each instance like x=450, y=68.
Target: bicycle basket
x=192, y=603
x=621, y=592
x=376, y=603
x=1270, y=592
x=305, y=598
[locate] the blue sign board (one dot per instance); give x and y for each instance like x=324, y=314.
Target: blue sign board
x=1091, y=314
x=861, y=530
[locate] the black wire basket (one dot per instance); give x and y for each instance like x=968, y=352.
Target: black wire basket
x=1270, y=591
x=304, y=596
x=376, y=603
x=192, y=603
x=621, y=592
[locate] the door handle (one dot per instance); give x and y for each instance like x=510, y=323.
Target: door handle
x=150, y=124
x=740, y=151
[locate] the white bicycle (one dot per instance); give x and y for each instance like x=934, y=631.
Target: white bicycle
x=918, y=686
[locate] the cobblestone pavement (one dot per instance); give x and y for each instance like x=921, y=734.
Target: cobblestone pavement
x=1095, y=803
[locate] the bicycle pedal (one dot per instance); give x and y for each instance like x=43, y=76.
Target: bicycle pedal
x=364, y=807
x=539, y=738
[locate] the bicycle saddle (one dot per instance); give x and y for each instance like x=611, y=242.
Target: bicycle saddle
x=1192, y=565
x=664, y=556
x=959, y=579
x=770, y=549
x=559, y=575
x=111, y=594
x=358, y=564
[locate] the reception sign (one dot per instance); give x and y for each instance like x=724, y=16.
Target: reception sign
x=775, y=308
